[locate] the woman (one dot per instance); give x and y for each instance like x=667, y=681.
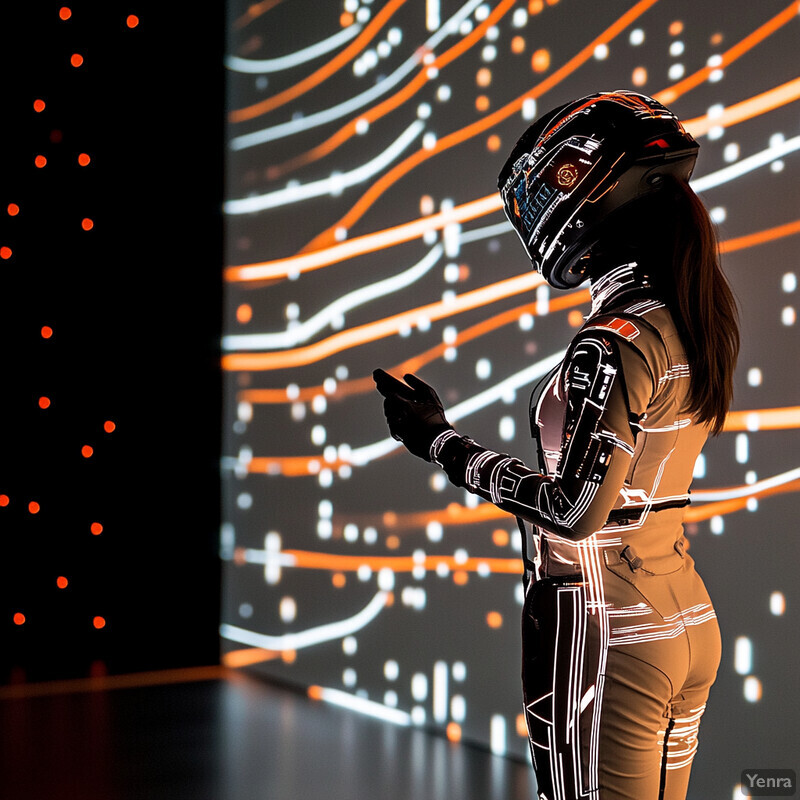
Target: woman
x=620, y=640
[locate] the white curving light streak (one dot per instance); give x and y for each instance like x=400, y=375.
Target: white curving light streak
x=751, y=489
x=262, y=65
x=311, y=636
x=360, y=456
x=369, y=707
x=335, y=184
x=746, y=165
x=313, y=325
x=360, y=100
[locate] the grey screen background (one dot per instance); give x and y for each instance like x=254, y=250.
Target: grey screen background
x=350, y=566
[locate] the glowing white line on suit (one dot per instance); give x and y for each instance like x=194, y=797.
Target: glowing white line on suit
x=710, y=495
x=746, y=165
x=327, y=315
x=311, y=636
x=332, y=185
x=259, y=66
x=361, y=100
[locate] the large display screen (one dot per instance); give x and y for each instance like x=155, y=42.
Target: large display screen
x=364, y=230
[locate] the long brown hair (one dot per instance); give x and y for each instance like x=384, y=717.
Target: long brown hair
x=691, y=281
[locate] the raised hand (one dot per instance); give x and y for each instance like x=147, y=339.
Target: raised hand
x=413, y=410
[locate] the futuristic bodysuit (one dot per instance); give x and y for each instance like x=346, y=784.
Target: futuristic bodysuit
x=620, y=640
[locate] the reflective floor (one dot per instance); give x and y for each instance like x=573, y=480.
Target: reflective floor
x=216, y=736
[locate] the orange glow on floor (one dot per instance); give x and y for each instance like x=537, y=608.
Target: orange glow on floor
x=34, y=507
x=247, y=656
x=76, y=60
x=84, y=159
x=96, y=528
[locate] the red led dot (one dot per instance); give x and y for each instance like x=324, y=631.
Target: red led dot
x=19, y=619
x=84, y=159
x=13, y=209
x=96, y=528
x=132, y=21
x=47, y=332
x=40, y=161
x=4, y=500
x=38, y=105
x=5, y=252
x=87, y=224
x=76, y=60
x=99, y=622
x=61, y=582
x=44, y=402
x=86, y=451
x=65, y=12
x=109, y=426
x=34, y=507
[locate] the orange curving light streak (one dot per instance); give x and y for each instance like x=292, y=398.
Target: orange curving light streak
x=672, y=93
x=324, y=72
x=747, y=109
x=390, y=104
x=310, y=560
x=294, y=466
x=368, y=243
x=249, y=655
x=364, y=385
x=372, y=331
x=254, y=12
x=720, y=507
x=760, y=237
x=457, y=137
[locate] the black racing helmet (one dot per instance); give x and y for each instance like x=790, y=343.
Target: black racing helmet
x=579, y=164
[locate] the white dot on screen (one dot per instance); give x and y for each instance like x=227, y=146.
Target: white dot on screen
x=715, y=76
x=743, y=655
x=789, y=282
x=754, y=376
x=676, y=48
x=777, y=603
x=489, y=53
x=482, y=12
x=520, y=18
x=418, y=715
x=459, y=671
x=483, y=368
x=731, y=152
x=244, y=501
x=526, y=322
x=370, y=535
x=507, y=428
x=350, y=532
x=637, y=37
x=384, y=49
x=699, y=467
x=434, y=531
x=325, y=478
x=391, y=669
x=715, y=132
x=390, y=699
x=528, y=108
x=318, y=434
x=394, y=37
x=450, y=354
x=717, y=525
x=601, y=52
x=788, y=316
x=429, y=141
x=714, y=61
x=419, y=686
x=325, y=509
x=363, y=14
x=676, y=71
x=349, y=645
x=718, y=214
x=465, y=27
x=324, y=529
x=438, y=481
x=458, y=708
x=423, y=110
x=349, y=677
x=444, y=93
x=386, y=579
x=319, y=404
x=246, y=610
x=750, y=477
x=364, y=572
x=752, y=689
x=450, y=334
x=288, y=609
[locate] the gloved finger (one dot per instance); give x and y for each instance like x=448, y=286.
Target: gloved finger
x=388, y=385
x=424, y=390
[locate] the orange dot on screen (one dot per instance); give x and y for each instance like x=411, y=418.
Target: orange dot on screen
x=61, y=582
x=76, y=60
x=84, y=159
x=493, y=143
x=289, y=656
x=99, y=622
x=19, y=619
x=676, y=27
x=717, y=38
x=454, y=732
x=38, y=105
x=494, y=619
x=482, y=102
x=34, y=507
x=575, y=318
x=500, y=537
x=346, y=20
x=393, y=542
x=4, y=500
x=5, y=252
x=551, y=2
x=540, y=60
x=40, y=161
x=44, y=402
x=132, y=21
x=109, y=426
x=96, y=528
x=535, y=6
x=639, y=76
x=86, y=451
x=47, y=332
x=484, y=76
x=460, y=577
x=517, y=44
x=244, y=313
x=65, y=12
x=13, y=209
x=338, y=580
x=87, y=224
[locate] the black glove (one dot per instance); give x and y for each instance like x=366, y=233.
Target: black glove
x=414, y=413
